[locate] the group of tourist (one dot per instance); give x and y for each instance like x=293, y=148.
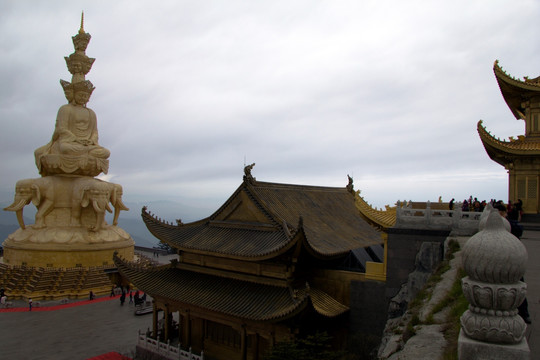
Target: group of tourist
x=133, y=296
x=473, y=204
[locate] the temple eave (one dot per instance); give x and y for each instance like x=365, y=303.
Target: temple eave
x=231, y=297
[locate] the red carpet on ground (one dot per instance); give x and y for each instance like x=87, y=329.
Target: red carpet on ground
x=35, y=307
x=110, y=356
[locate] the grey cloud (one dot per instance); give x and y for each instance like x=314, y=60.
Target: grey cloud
x=309, y=91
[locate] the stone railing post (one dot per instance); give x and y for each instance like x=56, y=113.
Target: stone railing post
x=399, y=211
x=494, y=261
x=427, y=214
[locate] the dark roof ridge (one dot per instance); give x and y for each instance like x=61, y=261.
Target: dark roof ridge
x=146, y=214
x=263, y=184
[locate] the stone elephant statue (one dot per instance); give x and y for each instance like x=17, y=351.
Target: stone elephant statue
x=39, y=191
x=116, y=201
x=99, y=193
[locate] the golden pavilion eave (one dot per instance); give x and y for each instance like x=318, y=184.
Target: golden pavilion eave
x=230, y=297
x=515, y=91
x=503, y=152
x=382, y=219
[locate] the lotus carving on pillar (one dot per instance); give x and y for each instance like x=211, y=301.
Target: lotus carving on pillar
x=494, y=261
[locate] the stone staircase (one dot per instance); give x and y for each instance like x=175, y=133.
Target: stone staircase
x=21, y=282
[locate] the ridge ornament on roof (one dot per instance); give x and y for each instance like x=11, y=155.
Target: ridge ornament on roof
x=247, y=174
x=350, y=186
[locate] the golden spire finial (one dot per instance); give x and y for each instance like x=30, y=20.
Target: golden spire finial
x=81, y=30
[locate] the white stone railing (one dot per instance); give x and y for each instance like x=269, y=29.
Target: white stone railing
x=165, y=350
x=465, y=222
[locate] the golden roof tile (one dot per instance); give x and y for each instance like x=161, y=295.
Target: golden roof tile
x=519, y=146
x=382, y=219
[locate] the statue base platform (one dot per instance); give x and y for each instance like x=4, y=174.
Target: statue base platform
x=59, y=164
x=477, y=350
x=66, y=246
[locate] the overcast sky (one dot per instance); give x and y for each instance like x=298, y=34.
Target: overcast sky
x=187, y=92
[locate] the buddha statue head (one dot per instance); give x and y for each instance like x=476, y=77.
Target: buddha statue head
x=82, y=91
x=81, y=40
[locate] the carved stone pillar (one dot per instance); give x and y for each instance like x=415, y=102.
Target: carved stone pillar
x=494, y=261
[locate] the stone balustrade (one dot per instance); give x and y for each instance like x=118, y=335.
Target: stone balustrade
x=458, y=221
x=165, y=350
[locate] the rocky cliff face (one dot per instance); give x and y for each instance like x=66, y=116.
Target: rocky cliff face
x=418, y=316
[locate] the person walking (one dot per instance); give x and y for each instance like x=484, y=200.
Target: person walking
x=30, y=304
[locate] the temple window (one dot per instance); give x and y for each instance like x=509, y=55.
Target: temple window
x=531, y=188
x=521, y=188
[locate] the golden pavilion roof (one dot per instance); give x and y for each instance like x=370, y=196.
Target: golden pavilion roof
x=503, y=151
x=262, y=220
x=515, y=91
x=382, y=219
x=232, y=297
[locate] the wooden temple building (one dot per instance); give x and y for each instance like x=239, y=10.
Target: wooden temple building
x=274, y=262
x=521, y=156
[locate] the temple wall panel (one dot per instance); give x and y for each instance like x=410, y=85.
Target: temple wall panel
x=524, y=185
x=278, y=271
x=337, y=283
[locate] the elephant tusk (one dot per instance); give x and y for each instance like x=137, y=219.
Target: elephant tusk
x=108, y=208
x=20, y=219
x=121, y=206
x=17, y=206
x=96, y=206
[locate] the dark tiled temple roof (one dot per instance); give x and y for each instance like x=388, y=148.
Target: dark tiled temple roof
x=327, y=216
x=242, y=299
x=330, y=220
x=244, y=242
x=326, y=305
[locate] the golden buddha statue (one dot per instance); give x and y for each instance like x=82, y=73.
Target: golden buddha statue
x=74, y=147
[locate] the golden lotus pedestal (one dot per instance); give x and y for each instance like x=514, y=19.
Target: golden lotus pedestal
x=66, y=247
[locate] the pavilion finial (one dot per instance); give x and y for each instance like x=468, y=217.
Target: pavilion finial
x=81, y=30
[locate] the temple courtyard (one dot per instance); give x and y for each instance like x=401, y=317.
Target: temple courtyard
x=85, y=331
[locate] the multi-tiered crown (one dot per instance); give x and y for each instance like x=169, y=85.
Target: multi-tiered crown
x=79, y=64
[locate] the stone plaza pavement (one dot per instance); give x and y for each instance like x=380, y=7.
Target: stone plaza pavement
x=90, y=330
x=78, y=332
x=74, y=333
